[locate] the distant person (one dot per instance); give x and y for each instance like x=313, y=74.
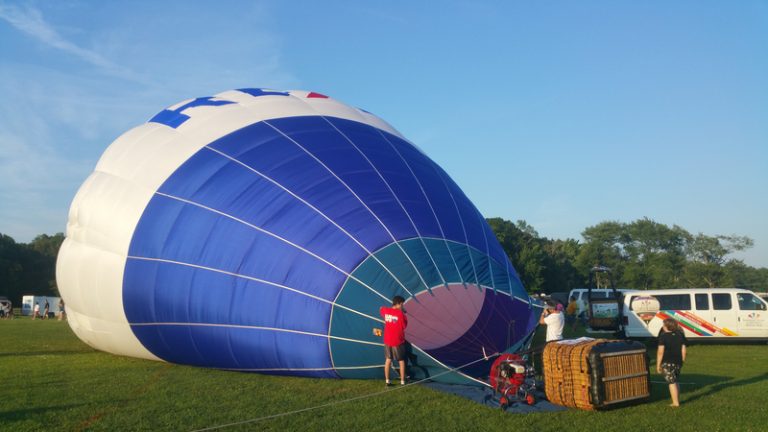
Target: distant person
x=395, y=323
x=36, y=311
x=554, y=321
x=570, y=313
x=671, y=356
x=46, y=309
x=62, y=311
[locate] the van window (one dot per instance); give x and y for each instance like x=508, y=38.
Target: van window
x=674, y=301
x=721, y=301
x=749, y=302
x=702, y=302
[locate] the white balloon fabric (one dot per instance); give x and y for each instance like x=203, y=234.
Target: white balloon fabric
x=261, y=230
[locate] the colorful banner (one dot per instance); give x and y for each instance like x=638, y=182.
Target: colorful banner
x=694, y=323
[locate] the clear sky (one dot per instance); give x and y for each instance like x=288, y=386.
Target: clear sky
x=561, y=113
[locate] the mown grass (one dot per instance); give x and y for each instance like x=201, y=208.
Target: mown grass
x=51, y=380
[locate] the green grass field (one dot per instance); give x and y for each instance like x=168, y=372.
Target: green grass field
x=51, y=380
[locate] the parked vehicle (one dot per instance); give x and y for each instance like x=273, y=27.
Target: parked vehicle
x=28, y=305
x=602, y=293
x=600, y=306
x=704, y=313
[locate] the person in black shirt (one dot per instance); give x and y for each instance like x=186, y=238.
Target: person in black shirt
x=671, y=356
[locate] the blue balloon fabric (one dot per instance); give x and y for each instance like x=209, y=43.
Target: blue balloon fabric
x=272, y=248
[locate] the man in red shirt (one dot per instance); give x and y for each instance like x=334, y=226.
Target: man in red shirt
x=395, y=323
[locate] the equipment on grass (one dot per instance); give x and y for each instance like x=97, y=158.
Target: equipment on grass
x=595, y=373
x=513, y=379
x=604, y=313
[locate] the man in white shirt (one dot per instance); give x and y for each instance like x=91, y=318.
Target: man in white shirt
x=554, y=320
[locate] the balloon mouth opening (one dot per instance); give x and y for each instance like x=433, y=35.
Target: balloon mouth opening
x=438, y=317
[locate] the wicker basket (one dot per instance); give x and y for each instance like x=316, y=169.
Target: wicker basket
x=595, y=374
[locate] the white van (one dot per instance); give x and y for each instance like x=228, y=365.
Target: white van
x=704, y=313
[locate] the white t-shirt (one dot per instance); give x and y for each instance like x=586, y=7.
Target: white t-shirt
x=555, y=323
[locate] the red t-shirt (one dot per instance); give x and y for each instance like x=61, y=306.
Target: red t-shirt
x=395, y=323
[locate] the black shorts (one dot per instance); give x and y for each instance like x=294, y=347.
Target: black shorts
x=671, y=372
x=396, y=353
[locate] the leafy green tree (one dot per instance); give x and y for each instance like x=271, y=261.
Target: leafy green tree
x=603, y=246
x=11, y=269
x=561, y=273
x=544, y=265
x=523, y=251
x=707, y=266
x=28, y=268
x=655, y=254
x=645, y=254
x=740, y=275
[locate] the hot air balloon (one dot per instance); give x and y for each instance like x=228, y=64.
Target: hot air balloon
x=260, y=230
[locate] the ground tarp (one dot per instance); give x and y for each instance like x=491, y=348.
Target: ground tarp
x=488, y=397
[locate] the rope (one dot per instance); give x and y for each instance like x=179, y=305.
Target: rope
x=329, y=404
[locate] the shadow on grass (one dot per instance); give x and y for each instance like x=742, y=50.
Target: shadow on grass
x=42, y=353
x=699, y=386
x=711, y=389
x=34, y=413
x=688, y=383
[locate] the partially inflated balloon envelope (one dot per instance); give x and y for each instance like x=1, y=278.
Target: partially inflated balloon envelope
x=262, y=230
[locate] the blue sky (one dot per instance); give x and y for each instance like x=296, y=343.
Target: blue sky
x=561, y=113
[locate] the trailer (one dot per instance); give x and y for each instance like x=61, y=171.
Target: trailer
x=28, y=303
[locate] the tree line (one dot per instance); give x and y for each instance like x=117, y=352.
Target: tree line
x=28, y=268
x=642, y=255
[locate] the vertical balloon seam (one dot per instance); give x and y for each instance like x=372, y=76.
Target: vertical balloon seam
x=481, y=221
x=426, y=198
x=394, y=195
x=429, y=202
x=436, y=169
x=439, y=172
x=294, y=195
x=354, y=194
x=271, y=234
x=318, y=211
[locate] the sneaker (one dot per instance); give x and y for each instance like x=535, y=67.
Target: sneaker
x=387, y=383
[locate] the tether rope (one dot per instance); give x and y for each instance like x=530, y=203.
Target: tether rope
x=329, y=404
